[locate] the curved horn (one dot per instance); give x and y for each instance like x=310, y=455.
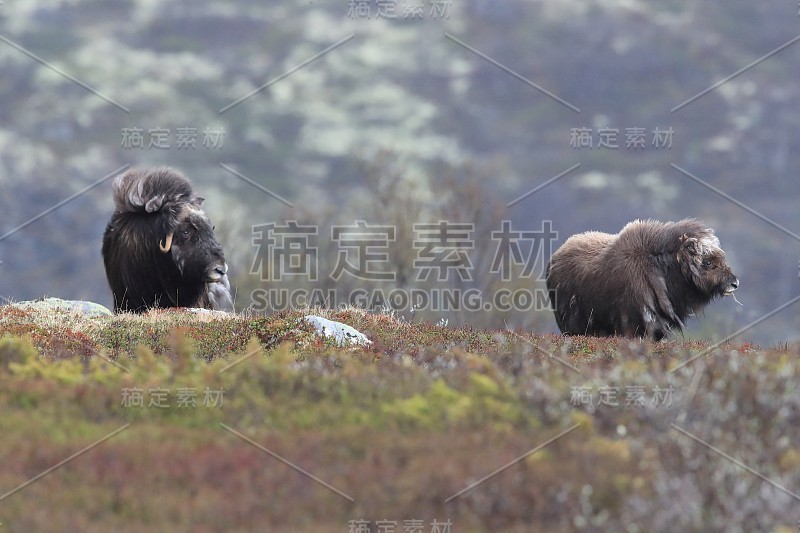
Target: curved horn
x=165, y=247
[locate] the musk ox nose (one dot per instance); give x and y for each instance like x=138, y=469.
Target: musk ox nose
x=732, y=286
x=218, y=272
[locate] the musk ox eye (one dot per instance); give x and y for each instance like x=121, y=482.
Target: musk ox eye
x=707, y=263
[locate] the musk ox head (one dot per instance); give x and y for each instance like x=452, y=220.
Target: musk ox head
x=702, y=263
x=644, y=281
x=159, y=247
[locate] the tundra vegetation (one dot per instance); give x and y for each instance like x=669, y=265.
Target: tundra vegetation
x=400, y=426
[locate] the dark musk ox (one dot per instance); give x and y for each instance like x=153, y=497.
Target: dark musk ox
x=159, y=247
x=642, y=282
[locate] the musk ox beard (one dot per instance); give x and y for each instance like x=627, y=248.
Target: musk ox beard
x=643, y=282
x=159, y=247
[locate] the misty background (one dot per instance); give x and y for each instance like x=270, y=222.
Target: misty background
x=405, y=112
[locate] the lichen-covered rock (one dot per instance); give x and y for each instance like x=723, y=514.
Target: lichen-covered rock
x=89, y=309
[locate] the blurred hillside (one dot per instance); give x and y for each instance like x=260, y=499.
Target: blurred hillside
x=332, y=112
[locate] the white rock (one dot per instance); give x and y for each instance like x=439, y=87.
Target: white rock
x=342, y=333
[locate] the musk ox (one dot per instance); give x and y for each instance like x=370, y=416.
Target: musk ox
x=159, y=247
x=643, y=282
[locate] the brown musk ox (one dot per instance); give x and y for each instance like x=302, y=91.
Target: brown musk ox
x=159, y=247
x=644, y=281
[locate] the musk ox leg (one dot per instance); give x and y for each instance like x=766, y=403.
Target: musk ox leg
x=656, y=327
x=567, y=315
x=574, y=321
x=562, y=312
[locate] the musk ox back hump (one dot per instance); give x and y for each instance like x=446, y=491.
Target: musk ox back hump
x=159, y=247
x=642, y=282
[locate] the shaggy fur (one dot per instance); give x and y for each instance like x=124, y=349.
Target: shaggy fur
x=643, y=282
x=159, y=247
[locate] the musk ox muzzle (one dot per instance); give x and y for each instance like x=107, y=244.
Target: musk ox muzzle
x=644, y=281
x=159, y=247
